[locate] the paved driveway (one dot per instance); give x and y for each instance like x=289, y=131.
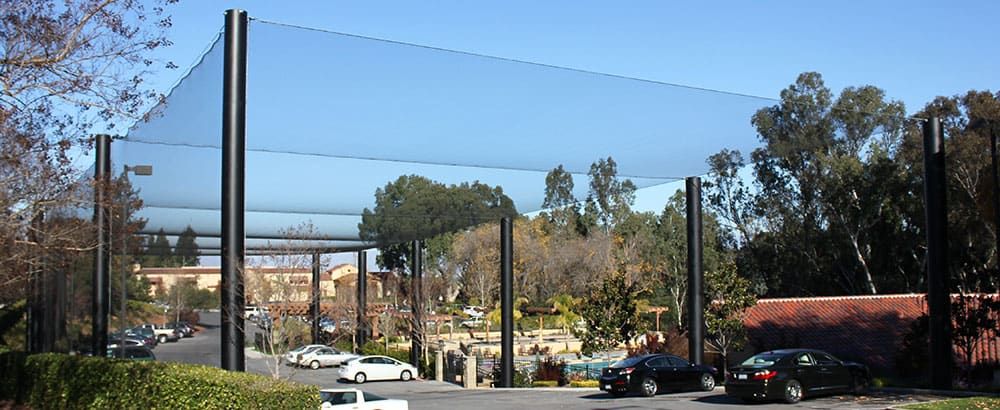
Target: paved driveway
x=204, y=349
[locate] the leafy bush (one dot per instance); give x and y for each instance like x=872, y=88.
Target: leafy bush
x=585, y=383
x=544, y=383
x=62, y=381
x=345, y=345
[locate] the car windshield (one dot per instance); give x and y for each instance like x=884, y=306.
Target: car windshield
x=372, y=397
x=628, y=362
x=339, y=397
x=762, y=360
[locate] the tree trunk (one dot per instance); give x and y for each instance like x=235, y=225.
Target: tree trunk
x=869, y=282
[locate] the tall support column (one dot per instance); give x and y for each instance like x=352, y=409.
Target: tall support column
x=417, y=306
x=938, y=299
x=234, y=94
x=506, y=303
x=696, y=294
x=361, y=335
x=100, y=291
x=36, y=308
x=314, y=299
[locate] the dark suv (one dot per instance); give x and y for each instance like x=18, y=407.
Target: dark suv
x=654, y=373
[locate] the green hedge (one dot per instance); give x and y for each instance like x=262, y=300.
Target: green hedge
x=74, y=382
x=585, y=383
x=545, y=383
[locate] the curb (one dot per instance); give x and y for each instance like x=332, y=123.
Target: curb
x=945, y=393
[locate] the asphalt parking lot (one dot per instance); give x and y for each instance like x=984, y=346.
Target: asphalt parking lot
x=204, y=349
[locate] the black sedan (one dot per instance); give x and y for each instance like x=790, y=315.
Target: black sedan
x=792, y=374
x=653, y=373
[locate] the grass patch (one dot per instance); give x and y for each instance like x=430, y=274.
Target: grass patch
x=971, y=403
x=545, y=383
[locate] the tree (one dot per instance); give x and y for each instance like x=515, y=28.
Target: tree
x=566, y=307
x=729, y=297
x=159, y=252
x=728, y=196
x=611, y=314
x=974, y=318
x=65, y=68
x=275, y=281
x=559, y=199
x=414, y=207
x=186, y=251
x=495, y=315
x=831, y=210
x=611, y=198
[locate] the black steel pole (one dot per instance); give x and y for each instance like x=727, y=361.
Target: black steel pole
x=233, y=179
x=100, y=292
x=696, y=296
x=416, y=306
x=938, y=299
x=361, y=335
x=506, y=303
x=37, y=309
x=314, y=300
x=124, y=302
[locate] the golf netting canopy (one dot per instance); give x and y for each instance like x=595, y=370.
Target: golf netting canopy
x=333, y=116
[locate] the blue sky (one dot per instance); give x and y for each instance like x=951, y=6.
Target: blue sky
x=915, y=50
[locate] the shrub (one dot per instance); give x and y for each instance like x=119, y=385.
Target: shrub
x=544, y=383
x=551, y=368
x=585, y=383
x=673, y=342
x=62, y=381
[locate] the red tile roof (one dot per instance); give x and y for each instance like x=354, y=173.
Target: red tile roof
x=866, y=328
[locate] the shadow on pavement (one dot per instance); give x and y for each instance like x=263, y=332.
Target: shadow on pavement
x=600, y=396
x=722, y=399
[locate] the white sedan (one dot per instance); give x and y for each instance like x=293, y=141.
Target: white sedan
x=366, y=368
x=356, y=399
x=292, y=357
x=323, y=357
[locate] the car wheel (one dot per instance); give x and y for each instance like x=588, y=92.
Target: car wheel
x=405, y=376
x=360, y=378
x=707, y=382
x=648, y=387
x=163, y=339
x=314, y=364
x=618, y=393
x=793, y=391
x=860, y=385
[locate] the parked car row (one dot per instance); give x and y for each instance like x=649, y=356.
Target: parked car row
x=788, y=375
x=140, y=340
x=317, y=356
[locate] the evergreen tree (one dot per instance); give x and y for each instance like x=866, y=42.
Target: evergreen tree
x=186, y=252
x=159, y=254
